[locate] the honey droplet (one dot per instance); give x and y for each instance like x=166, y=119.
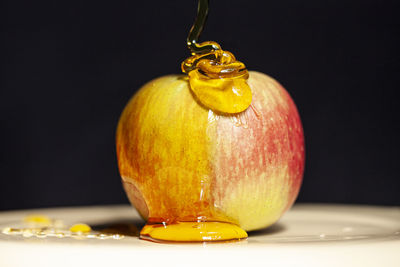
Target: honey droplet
x=27, y=233
x=59, y=234
x=11, y=231
x=41, y=234
x=80, y=228
x=38, y=219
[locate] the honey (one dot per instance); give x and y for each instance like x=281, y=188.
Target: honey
x=165, y=149
x=192, y=232
x=223, y=95
x=218, y=83
x=37, y=219
x=41, y=226
x=216, y=78
x=80, y=228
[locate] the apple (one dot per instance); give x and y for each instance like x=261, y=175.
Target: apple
x=182, y=162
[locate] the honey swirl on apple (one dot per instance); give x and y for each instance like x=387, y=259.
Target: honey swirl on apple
x=216, y=78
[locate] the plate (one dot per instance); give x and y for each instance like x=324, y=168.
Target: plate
x=307, y=235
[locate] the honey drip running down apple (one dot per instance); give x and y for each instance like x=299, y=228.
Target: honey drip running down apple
x=213, y=153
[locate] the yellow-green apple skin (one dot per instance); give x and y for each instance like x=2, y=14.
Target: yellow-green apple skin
x=180, y=161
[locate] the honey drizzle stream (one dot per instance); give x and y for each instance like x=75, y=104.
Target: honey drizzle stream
x=197, y=28
x=219, y=82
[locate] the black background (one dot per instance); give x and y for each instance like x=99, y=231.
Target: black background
x=69, y=67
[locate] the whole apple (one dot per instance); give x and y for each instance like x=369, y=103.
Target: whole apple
x=182, y=162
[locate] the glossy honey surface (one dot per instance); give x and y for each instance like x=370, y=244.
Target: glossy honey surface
x=193, y=232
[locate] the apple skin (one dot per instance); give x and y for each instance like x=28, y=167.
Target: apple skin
x=180, y=161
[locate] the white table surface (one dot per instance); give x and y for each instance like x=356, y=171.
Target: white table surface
x=307, y=235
